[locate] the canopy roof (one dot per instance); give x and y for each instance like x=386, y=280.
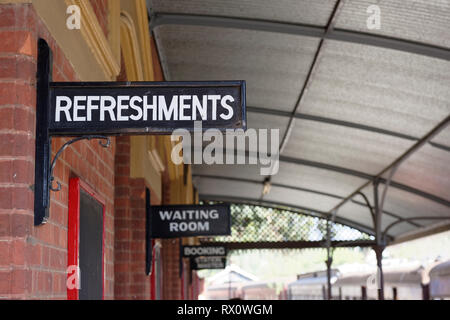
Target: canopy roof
x=351, y=103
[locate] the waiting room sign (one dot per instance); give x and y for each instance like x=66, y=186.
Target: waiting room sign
x=176, y=221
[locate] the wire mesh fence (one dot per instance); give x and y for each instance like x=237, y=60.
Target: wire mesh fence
x=252, y=223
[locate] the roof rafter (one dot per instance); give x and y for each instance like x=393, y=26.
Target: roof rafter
x=314, y=63
x=343, y=123
x=363, y=175
x=159, y=19
x=393, y=215
x=435, y=131
x=390, y=226
x=366, y=176
x=288, y=244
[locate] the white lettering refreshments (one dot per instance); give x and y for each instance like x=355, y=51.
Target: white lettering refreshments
x=143, y=108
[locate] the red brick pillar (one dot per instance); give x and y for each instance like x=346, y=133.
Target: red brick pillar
x=140, y=282
x=131, y=282
x=33, y=260
x=19, y=251
x=170, y=254
x=171, y=269
x=122, y=221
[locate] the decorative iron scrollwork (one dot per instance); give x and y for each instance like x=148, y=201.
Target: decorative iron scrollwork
x=68, y=143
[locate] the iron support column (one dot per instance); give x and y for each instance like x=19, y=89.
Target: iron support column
x=328, y=262
x=380, y=277
x=425, y=291
x=379, y=240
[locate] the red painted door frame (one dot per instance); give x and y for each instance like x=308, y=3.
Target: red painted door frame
x=73, y=232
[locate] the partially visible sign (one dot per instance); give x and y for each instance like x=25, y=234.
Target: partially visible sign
x=210, y=262
x=197, y=251
x=178, y=221
x=112, y=108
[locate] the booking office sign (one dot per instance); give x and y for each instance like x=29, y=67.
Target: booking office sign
x=205, y=257
x=96, y=110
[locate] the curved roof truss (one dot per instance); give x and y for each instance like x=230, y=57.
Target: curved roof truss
x=356, y=108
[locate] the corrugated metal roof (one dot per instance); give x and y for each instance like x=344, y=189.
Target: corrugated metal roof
x=371, y=95
x=295, y=11
x=423, y=21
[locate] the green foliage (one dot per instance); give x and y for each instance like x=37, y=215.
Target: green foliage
x=255, y=223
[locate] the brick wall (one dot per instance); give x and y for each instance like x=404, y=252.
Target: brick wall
x=170, y=254
x=122, y=244
x=171, y=262
x=33, y=260
x=139, y=282
x=131, y=281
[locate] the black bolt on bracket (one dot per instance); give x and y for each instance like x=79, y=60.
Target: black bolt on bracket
x=43, y=174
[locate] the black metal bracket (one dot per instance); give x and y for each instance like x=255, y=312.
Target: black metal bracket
x=43, y=140
x=43, y=167
x=149, y=249
x=68, y=143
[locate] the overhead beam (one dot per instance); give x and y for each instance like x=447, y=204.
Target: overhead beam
x=237, y=245
x=366, y=176
x=326, y=194
x=363, y=175
x=284, y=206
x=417, y=192
x=390, y=226
x=390, y=43
x=403, y=45
x=342, y=123
x=424, y=232
x=159, y=19
x=397, y=162
x=326, y=166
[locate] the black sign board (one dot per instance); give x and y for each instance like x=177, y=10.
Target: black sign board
x=95, y=110
x=209, y=262
x=144, y=107
x=190, y=220
x=197, y=251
